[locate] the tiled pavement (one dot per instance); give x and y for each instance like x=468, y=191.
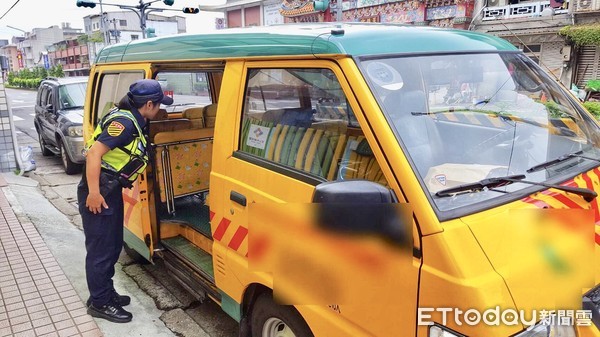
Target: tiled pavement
x=36, y=298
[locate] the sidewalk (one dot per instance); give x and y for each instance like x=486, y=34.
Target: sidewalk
x=36, y=298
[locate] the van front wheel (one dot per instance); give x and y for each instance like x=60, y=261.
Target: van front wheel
x=270, y=319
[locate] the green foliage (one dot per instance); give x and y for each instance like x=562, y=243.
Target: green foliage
x=31, y=78
x=593, y=108
x=582, y=34
x=28, y=83
x=593, y=85
x=83, y=39
x=553, y=110
x=96, y=37
x=56, y=71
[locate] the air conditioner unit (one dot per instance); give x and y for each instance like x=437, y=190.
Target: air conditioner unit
x=497, y=3
x=565, y=52
x=583, y=5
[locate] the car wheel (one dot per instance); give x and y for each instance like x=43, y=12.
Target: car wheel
x=70, y=166
x=45, y=151
x=269, y=319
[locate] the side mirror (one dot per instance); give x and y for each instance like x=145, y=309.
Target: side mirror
x=50, y=108
x=361, y=207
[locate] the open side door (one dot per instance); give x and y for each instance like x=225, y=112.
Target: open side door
x=108, y=85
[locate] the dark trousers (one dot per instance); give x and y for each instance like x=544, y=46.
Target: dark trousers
x=103, y=243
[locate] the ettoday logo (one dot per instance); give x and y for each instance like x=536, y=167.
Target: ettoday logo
x=497, y=316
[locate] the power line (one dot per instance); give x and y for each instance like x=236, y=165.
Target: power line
x=11, y=7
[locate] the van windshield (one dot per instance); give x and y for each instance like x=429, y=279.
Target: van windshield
x=462, y=118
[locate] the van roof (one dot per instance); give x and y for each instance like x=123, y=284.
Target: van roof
x=304, y=39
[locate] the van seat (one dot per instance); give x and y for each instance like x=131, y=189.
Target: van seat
x=210, y=115
x=196, y=115
x=307, y=149
x=163, y=138
x=167, y=125
x=187, y=156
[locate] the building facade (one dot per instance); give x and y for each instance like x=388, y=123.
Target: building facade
x=534, y=27
x=34, y=46
x=124, y=26
x=440, y=13
x=72, y=55
x=11, y=54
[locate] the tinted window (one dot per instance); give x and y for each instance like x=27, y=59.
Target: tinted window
x=43, y=97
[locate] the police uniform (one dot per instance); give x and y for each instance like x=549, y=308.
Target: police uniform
x=123, y=157
x=121, y=132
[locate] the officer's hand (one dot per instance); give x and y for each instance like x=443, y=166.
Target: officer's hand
x=95, y=202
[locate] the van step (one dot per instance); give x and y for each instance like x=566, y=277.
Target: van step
x=192, y=211
x=191, y=280
x=199, y=260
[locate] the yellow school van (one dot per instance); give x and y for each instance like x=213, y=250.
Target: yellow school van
x=365, y=180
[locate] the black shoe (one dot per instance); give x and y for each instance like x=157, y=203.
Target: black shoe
x=110, y=312
x=122, y=300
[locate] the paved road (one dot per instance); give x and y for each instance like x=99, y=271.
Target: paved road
x=161, y=300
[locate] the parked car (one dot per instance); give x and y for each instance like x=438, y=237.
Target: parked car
x=58, y=119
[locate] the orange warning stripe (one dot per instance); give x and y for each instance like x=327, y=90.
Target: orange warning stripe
x=552, y=199
x=236, y=241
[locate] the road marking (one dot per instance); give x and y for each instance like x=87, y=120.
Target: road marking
x=32, y=115
x=32, y=128
x=18, y=132
x=17, y=118
x=22, y=106
x=18, y=101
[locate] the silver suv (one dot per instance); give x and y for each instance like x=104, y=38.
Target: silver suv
x=59, y=118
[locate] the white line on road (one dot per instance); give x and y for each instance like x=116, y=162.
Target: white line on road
x=32, y=128
x=18, y=101
x=17, y=118
x=23, y=106
x=32, y=115
x=18, y=132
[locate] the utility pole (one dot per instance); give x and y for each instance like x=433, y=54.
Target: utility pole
x=102, y=25
x=339, y=16
x=141, y=10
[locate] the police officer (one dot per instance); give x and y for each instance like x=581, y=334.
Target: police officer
x=116, y=154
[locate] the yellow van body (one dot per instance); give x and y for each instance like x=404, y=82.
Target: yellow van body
x=275, y=127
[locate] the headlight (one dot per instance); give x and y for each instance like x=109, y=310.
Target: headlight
x=538, y=330
x=541, y=330
x=75, y=131
x=438, y=331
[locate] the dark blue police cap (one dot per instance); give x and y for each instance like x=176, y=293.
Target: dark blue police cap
x=142, y=91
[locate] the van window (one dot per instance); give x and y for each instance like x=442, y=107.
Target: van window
x=300, y=119
x=189, y=89
x=112, y=88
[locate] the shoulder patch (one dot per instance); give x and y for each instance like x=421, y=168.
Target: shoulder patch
x=115, y=128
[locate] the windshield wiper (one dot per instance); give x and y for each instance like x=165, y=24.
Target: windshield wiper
x=560, y=159
x=490, y=183
x=480, y=185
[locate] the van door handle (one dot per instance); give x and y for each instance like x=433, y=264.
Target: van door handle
x=238, y=198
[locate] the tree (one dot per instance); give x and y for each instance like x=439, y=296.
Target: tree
x=56, y=71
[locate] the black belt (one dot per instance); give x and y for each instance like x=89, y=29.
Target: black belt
x=105, y=170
